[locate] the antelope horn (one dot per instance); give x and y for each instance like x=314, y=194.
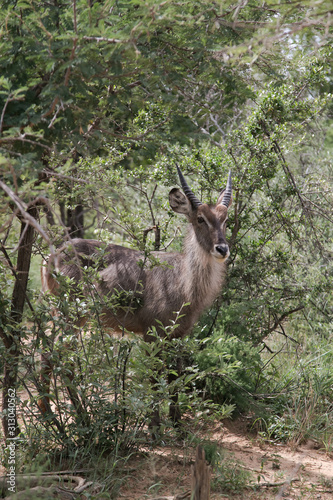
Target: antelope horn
x=227, y=193
x=187, y=190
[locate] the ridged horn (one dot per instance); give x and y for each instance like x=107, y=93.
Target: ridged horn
x=227, y=193
x=187, y=190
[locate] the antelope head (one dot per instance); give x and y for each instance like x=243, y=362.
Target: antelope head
x=208, y=222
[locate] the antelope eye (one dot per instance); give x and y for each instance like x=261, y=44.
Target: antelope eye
x=201, y=220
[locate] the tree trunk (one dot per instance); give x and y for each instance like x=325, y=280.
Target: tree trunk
x=75, y=222
x=200, y=477
x=12, y=336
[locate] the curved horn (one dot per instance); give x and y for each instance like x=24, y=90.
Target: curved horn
x=187, y=190
x=227, y=193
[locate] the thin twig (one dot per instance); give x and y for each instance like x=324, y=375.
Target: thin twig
x=22, y=138
x=103, y=39
x=23, y=207
x=288, y=482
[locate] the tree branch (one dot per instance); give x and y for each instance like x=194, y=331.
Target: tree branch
x=23, y=207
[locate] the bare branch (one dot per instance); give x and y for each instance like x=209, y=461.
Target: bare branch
x=278, y=320
x=23, y=207
x=103, y=39
x=22, y=138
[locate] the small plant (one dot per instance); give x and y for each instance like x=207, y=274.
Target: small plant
x=229, y=474
x=302, y=407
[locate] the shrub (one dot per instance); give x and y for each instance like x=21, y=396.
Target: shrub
x=230, y=366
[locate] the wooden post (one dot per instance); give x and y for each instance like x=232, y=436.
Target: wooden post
x=200, y=476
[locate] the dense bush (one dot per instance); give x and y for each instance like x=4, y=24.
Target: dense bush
x=231, y=369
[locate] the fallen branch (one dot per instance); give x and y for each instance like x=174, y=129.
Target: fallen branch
x=37, y=491
x=180, y=496
x=54, y=489
x=287, y=483
x=55, y=473
x=274, y=485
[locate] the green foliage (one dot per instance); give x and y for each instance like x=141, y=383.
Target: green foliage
x=98, y=102
x=229, y=475
x=103, y=390
x=80, y=77
x=302, y=409
x=230, y=368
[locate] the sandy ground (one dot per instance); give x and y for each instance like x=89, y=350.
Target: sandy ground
x=278, y=470
x=274, y=471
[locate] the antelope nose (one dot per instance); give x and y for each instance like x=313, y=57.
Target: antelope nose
x=223, y=250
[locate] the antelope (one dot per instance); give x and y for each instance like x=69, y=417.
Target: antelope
x=187, y=281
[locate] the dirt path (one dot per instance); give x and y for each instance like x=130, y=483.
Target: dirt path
x=273, y=471
x=278, y=463
x=165, y=473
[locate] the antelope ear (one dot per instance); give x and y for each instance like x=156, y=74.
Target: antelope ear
x=180, y=203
